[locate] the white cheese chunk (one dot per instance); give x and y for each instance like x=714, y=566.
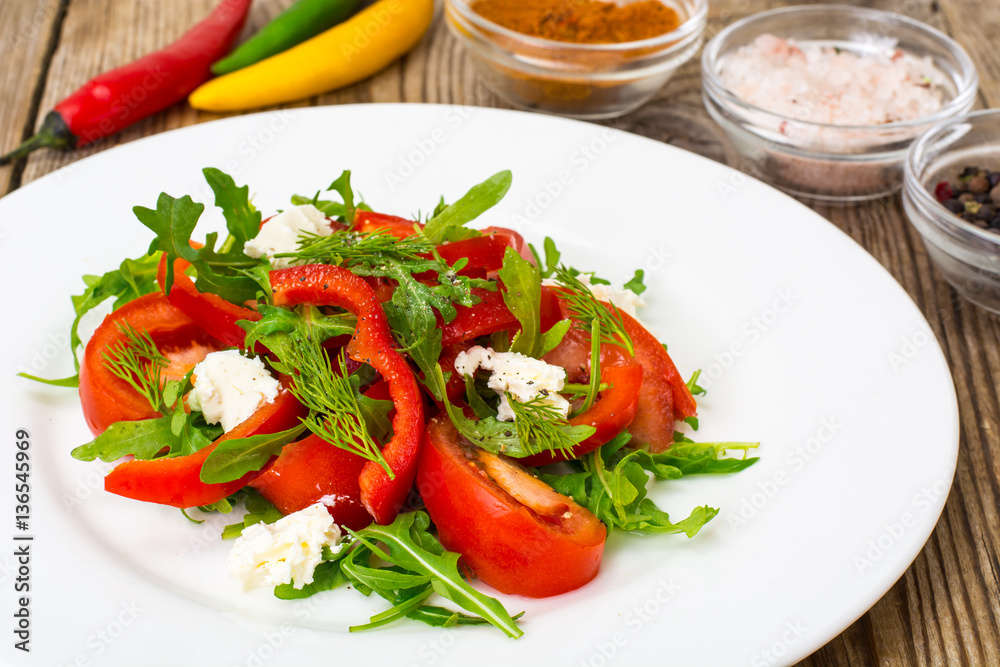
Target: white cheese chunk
x=282, y=233
x=286, y=551
x=228, y=388
x=616, y=293
x=522, y=377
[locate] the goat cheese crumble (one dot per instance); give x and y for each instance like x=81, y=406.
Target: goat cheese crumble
x=228, y=388
x=286, y=551
x=521, y=376
x=283, y=232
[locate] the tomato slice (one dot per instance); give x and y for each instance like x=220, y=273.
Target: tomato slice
x=514, y=532
x=664, y=398
x=105, y=397
x=177, y=481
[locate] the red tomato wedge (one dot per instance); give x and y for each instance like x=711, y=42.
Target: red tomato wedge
x=177, y=481
x=664, y=398
x=514, y=532
x=105, y=397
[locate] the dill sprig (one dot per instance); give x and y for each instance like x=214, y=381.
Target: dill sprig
x=346, y=248
x=334, y=410
x=139, y=362
x=586, y=308
x=540, y=427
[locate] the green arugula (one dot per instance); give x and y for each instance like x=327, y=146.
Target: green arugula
x=258, y=510
x=342, y=210
x=537, y=427
x=278, y=327
x=222, y=271
x=235, y=457
x=448, y=224
x=412, y=567
x=522, y=294
x=611, y=482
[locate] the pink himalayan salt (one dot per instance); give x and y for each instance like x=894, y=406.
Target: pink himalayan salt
x=821, y=84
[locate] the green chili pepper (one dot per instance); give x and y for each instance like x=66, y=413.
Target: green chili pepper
x=304, y=19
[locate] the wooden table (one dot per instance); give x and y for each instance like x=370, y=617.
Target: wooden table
x=946, y=608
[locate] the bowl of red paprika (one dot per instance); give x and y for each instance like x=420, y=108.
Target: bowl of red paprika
x=586, y=59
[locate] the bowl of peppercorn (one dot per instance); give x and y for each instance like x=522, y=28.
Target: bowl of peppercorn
x=951, y=194
x=587, y=59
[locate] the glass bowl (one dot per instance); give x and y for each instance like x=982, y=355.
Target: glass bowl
x=817, y=161
x=588, y=81
x=967, y=256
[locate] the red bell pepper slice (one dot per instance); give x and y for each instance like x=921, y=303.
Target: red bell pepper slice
x=373, y=344
x=216, y=315
x=177, y=481
x=105, y=397
x=367, y=222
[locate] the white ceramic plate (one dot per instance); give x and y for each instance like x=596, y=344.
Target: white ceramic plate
x=807, y=345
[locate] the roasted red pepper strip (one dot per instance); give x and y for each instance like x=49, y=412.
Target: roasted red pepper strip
x=373, y=344
x=216, y=315
x=114, y=100
x=177, y=481
x=367, y=222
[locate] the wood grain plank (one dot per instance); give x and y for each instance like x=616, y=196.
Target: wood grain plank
x=28, y=27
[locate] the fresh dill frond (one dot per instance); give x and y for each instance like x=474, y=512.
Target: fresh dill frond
x=139, y=362
x=346, y=248
x=334, y=410
x=586, y=308
x=540, y=427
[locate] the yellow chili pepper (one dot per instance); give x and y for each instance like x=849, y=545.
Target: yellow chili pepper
x=344, y=54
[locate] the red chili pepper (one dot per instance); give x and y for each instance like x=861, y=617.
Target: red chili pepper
x=373, y=344
x=114, y=100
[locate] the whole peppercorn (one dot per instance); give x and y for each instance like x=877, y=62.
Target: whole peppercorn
x=986, y=213
x=954, y=206
x=994, y=178
x=979, y=184
x=966, y=197
x=995, y=194
x=972, y=207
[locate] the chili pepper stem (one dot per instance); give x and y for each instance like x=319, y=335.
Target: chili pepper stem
x=54, y=133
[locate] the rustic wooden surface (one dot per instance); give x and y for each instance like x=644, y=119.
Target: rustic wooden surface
x=946, y=608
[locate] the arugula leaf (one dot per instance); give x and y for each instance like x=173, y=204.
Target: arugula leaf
x=413, y=549
x=636, y=284
x=326, y=577
x=275, y=328
x=331, y=209
x=173, y=222
x=554, y=336
x=71, y=381
x=552, y=256
x=611, y=482
x=536, y=427
x=235, y=457
x=587, y=309
x=523, y=295
x=132, y=279
x=474, y=203
x=221, y=271
x=143, y=439
x=343, y=186
x=242, y=219
x=258, y=510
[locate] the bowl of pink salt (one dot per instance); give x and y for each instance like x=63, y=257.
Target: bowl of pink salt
x=823, y=101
